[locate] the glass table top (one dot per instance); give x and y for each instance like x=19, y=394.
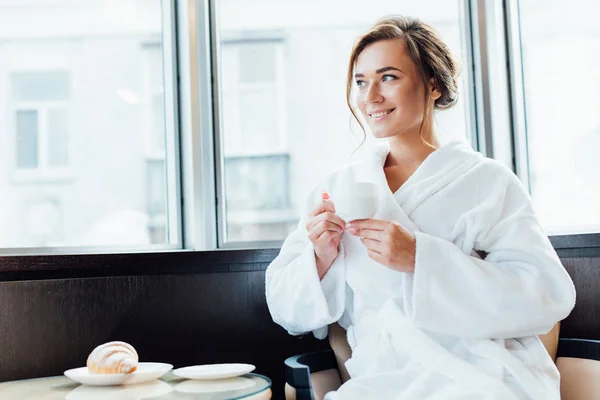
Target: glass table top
x=250, y=386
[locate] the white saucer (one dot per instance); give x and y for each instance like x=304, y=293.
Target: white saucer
x=214, y=371
x=145, y=372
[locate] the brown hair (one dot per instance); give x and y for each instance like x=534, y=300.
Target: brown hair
x=426, y=49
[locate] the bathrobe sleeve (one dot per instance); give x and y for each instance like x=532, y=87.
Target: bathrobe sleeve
x=519, y=289
x=297, y=299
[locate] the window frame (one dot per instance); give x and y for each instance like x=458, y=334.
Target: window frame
x=169, y=38
x=277, y=39
x=190, y=39
x=502, y=131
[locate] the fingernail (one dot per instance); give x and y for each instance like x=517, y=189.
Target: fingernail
x=325, y=196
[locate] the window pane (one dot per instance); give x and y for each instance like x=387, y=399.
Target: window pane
x=99, y=89
x=27, y=139
x=561, y=80
x=259, y=119
x=156, y=200
x=155, y=93
x=282, y=91
x=231, y=122
x=257, y=62
x=257, y=183
x=58, y=138
x=40, y=86
x=158, y=123
x=258, y=196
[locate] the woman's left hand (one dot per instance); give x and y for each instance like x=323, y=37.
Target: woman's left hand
x=387, y=242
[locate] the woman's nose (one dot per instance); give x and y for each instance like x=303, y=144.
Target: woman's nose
x=373, y=94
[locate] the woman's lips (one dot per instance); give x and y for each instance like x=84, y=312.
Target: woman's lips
x=381, y=114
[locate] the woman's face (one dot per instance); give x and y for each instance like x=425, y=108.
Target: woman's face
x=390, y=89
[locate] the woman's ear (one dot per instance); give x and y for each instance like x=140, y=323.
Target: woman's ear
x=434, y=92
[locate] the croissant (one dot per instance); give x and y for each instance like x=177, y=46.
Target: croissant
x=113, y=358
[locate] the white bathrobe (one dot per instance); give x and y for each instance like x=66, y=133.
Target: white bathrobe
x=459, y=327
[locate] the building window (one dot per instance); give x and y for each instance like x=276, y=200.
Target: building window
x=40, y=104
x=254, y=132
x=253, y=97
x=258, y=201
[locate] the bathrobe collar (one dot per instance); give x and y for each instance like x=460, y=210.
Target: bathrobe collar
x=438, y=170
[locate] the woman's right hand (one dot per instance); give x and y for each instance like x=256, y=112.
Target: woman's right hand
x=325, y=230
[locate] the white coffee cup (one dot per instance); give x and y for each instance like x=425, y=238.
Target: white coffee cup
x=358, y=200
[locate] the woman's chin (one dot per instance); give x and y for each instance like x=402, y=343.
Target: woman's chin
x=381, y=134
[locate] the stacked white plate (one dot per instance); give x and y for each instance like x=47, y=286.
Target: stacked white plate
x=146, y=371
x=213, y=371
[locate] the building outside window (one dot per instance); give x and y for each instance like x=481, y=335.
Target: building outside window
x=40, y=112
x=257, y=160
x=82, y=126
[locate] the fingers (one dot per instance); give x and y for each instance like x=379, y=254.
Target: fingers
x=324, y=211
x=317, y=228
x=380, y=236
x=326, y=237
x=374, y=224
x=326, y=219
x=376, y=256
x=379, y=230
x=326, y=205
x=374, y=245
x=327, y=242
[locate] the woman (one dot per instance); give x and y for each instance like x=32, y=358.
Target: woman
x=426, y=316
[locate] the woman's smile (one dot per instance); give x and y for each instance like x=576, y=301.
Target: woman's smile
x=379, y=115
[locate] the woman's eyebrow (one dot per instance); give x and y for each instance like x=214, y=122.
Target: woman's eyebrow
x=380, y=71
x=385, y=69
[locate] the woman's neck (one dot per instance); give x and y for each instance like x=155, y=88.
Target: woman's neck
x=412, y=148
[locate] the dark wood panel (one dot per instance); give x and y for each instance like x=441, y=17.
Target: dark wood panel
x=577, y=242
x=87, y=265
x=50, y=326
x=584, y=321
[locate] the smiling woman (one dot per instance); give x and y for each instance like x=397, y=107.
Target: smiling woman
x=403, y=71
x=402, y=62
x=422, y=309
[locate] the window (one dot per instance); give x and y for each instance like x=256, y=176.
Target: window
x=84, y=122
x=561, y=80
x=253, y=82
x=169, y=124
x=255, y=154
x=283, y=121
x=40, y=102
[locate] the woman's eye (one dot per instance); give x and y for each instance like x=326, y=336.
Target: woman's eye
x=388, y=78
x=360, y=83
